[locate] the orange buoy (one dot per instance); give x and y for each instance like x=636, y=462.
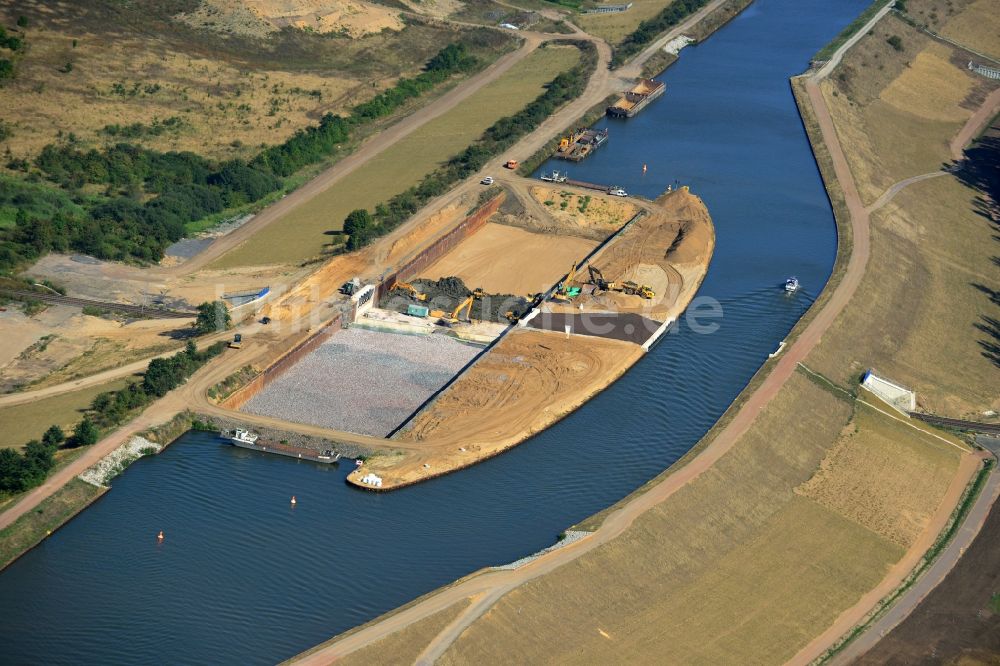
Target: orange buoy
x=294, y=502
x=159, y=537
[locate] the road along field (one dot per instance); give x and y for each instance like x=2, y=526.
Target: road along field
x=300, y=234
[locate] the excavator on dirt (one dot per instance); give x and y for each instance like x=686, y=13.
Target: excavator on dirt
x=455, y=316
x=627, y=287
x=564, y=292
x=414, y=293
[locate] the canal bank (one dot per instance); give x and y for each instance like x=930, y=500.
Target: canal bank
x=535, y=491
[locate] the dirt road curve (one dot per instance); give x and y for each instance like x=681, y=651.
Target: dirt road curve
x=946, y=561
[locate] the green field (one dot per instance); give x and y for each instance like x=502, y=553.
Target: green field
x=300, y=235
x=20, y=423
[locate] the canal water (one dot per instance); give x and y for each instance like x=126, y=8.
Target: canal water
x=243, y=577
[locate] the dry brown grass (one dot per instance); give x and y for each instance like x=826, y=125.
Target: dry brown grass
x=20, y=423
x=225, y=110
x=734, y=567
x=976, y=27
x=915, y=312
x=300, y=234
x=868, y=477
x=404, y=646
x=615, y=27
x=259, y=18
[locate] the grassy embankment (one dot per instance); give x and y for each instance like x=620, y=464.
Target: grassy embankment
x=814, y=503
x=852, y=28
x=300, y=235
x=30, y=529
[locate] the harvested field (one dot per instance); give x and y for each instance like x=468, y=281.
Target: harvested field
x=363, y=381
x=301, y=234
x=959, y=621
x=506, y=260
x=498, y=402
x=20, y=423
x=976, y=27
x=868, y=477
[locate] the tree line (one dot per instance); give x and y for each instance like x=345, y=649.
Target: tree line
x=23, y=471
x=150, y=197
x=362, y=226
x=651, y=28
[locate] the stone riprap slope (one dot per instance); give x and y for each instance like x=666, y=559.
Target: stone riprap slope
x=363, y=381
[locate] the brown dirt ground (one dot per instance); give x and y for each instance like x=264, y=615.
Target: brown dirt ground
x=507, y=260
x=260, y=18
x=607, y=214
x=955, y=623
x=646, y=253
x=497, y=403
x=74, y=345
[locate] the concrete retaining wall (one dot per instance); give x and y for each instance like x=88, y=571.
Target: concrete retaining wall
x=286, y=361
x=470, y=225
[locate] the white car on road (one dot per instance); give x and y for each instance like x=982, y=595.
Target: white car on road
x=617, y=192
x=487, y=181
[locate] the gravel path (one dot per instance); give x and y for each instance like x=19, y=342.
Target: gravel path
x=363, y=381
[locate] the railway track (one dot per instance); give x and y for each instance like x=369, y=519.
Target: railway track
x=974, y=426
x=134, y=310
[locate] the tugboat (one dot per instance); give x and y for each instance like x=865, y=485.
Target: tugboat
x=792, y=284
x=240, y=436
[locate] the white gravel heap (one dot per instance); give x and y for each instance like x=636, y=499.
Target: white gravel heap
x=363, y=381
x=113, y=464
x=568, y=537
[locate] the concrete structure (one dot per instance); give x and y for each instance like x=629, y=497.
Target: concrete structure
x=609, y=9
x=898, y=397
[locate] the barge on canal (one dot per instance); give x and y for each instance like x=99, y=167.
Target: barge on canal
x=581, y=144
x=637, y=98
x=251, y=440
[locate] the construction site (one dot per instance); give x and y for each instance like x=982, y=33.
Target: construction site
x=493, y=326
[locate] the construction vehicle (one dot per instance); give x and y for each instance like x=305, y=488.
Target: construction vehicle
x=237, y=342
x=454, y=317
x=348, y=288
x=635, y=289
x=564, y=292
x=511, y=164
x=600, y=284
x=420, y=296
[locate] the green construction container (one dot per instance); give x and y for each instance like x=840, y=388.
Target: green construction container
x=417, y=310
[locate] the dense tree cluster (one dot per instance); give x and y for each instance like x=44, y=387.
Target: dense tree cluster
x=22, y=471
x=649, y=29
x=501, y=135
x=212, y=316
x=151, y=196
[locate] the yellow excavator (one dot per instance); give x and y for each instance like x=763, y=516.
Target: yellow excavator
x=564, y=292
x=455, y=316
x=420, y=296
x=628, y=287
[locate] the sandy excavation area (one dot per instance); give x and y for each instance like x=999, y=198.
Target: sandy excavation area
x=668, y=249
x=526, y=383
x=506, y=260
x=363, y=381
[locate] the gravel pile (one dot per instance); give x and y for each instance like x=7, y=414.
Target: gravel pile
x=363, y=381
